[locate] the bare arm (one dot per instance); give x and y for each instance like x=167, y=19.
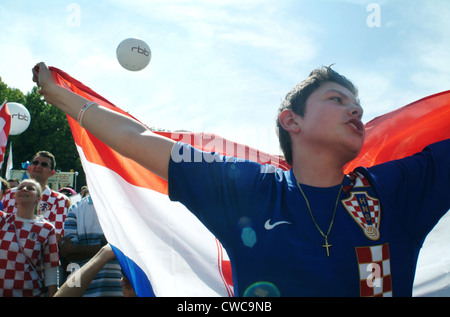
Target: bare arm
x=123, y=134
x=77, y=283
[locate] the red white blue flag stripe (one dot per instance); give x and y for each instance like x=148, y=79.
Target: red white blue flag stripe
x=162, y=247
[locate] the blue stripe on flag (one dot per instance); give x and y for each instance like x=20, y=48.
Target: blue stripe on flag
x=135, y=275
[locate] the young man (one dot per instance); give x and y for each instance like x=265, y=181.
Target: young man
x=310, y=231
x=53, y=205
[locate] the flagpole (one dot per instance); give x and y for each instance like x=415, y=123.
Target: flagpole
x=9, y=164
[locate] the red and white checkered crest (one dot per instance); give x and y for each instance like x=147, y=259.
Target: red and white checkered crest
x=365, y=210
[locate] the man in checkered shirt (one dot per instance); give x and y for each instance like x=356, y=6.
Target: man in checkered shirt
x=53, y=205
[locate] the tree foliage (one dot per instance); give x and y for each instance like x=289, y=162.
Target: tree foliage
x=49, y=130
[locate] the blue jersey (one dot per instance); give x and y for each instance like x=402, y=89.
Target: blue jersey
x=259, y=214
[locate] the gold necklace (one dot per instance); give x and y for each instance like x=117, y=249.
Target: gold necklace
x=325, y=236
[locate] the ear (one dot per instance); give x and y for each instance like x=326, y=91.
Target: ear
x=289, y=120
x=52, y=173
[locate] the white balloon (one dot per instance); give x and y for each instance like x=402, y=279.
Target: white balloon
x=133, y=54
x=20, y=118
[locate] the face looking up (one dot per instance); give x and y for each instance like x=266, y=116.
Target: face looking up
x=332, y=118
x=27, y=193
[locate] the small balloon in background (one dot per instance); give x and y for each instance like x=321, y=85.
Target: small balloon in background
x=133, y=54
x=20, y=118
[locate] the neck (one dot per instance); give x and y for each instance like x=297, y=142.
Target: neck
x=40, y=180
x=43, y=185
x=317, y=169
x=25, y=212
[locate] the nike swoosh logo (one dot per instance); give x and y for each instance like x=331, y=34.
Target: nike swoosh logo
x=269, y=226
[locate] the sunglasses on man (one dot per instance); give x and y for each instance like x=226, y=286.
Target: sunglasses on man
x=43, y=164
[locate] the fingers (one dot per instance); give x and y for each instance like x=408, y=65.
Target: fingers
x=36, y=70
x=42, y=76
x=39, y=65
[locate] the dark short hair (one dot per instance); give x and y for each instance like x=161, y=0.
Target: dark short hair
x=48, y=155
x=296, y=99
x=4, y=184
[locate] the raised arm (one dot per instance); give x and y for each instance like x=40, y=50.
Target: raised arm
x=77, y=283
x=123, y=134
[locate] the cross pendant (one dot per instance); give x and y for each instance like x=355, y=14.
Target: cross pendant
x=326, y=245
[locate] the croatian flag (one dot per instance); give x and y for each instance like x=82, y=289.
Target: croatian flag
x=5, y=125
x=163, y=249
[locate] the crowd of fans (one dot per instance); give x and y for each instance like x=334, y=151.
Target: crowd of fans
x=47, y=237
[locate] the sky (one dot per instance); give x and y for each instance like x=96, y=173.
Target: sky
x=224, y=66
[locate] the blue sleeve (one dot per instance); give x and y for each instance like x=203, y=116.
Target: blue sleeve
x=417, y=188
x=220, y=191
x=70, y=224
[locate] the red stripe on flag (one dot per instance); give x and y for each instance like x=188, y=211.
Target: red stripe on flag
x=98, y=153
x=224, y=267
x=5, y=127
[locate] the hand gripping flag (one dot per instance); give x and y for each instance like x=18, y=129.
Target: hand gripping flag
x=5, y=125
x=163, y=249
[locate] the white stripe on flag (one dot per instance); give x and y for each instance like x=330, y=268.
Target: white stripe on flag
x=3, y=141
x=9, y=162
x=176, y=252
x=433, y=265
